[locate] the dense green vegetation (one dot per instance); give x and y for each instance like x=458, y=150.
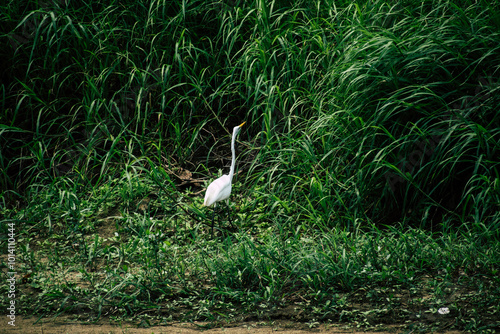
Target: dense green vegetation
x=369, y=170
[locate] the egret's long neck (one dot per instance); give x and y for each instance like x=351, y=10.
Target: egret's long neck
x=233, y=161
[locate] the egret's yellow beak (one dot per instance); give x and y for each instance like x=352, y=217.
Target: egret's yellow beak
x=241, y=124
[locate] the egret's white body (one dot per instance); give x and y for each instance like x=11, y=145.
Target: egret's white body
x=220, y=189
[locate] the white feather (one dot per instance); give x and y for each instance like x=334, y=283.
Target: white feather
x=220, y=189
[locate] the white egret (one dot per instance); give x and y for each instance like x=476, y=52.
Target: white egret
x=220, y=189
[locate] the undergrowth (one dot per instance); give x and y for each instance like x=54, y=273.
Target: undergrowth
x=368, y=187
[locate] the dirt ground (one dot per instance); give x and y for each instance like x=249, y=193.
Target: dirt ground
x=63, y=325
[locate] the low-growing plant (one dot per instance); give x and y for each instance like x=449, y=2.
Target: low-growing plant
x=367, y=188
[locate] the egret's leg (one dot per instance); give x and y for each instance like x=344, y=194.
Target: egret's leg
x=229, y=215
x=213, y=217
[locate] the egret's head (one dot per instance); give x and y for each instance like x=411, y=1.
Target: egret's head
x=237, y=129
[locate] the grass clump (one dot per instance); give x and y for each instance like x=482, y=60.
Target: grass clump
x=368, y=183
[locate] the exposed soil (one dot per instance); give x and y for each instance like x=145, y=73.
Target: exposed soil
x=65, y=325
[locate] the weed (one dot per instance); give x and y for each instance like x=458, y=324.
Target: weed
x=367, y=188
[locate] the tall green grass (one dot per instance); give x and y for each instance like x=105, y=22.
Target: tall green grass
x=400, y=121
x=391, y=101
x=371, y=152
